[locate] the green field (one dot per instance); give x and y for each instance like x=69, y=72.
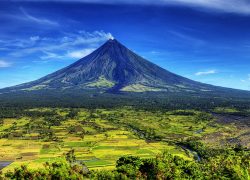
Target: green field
x=103, y=142
x=99, y=137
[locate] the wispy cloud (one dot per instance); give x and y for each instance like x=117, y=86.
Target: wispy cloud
x=231, y=6
x=4, y=64
x=80, y=53
x=187, y=38
x=246, y=80
x=154, y=52
x=68, y=45
x=201, y=73
x=34, y=38
x=38, y=20
x=50, y=55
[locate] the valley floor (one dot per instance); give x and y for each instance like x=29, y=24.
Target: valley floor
x=100, y=136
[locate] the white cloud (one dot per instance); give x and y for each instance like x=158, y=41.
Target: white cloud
x=154, y=52
x=4, y=64
x=36, y=19
x=187, y=38
x=50, y=55
x=34, y=38
x=200, y=73
x=110, y=36
x=69, y=45
x=246, y=80
x=80, y=53
x=231, y=6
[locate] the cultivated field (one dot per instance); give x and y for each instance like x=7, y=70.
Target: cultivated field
x=99, y=137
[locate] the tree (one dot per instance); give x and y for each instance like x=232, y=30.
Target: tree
x=14, y=125
x=1, y=121
x=203, y=116
x=74, y=129
x=73, y=113
x=129, y=165
x=70, y=156
x=54, y=120
x=82, y=134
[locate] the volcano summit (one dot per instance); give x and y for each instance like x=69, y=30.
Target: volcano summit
x=114, y=68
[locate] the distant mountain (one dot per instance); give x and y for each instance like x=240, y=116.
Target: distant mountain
x=114, y=68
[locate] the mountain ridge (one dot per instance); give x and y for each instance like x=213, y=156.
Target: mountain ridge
x=114, y=68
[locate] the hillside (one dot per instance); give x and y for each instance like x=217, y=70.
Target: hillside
x=113, y=68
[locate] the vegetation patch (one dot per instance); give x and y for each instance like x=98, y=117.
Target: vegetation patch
x=100, y=137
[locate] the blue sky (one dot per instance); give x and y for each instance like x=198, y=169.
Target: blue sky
x=204, y=40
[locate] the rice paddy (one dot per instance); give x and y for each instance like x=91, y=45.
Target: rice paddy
x=99, y=137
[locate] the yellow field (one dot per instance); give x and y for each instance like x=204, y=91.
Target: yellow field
x=98, y=149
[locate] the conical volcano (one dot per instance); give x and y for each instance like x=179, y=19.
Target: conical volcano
x=114, y=68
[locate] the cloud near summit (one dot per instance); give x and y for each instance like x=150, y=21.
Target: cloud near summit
x=76, y=45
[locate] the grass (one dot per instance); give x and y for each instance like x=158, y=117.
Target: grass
x=225, y=110
x=108, y=136
x=101, y=82
x=104, y=149
x=139, y=88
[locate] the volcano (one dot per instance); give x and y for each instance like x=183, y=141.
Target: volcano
x=114, y=68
